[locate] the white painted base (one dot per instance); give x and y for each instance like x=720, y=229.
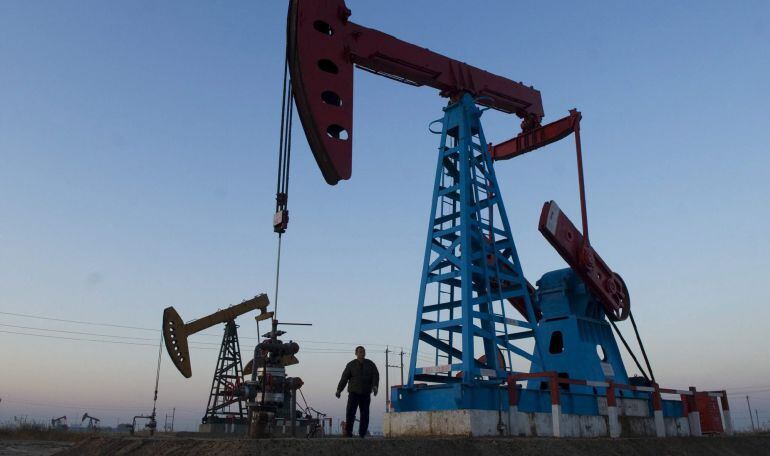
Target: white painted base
x=468, y=423
x=728, y=422
x=556, y=419
x=513, y=413
x=223, y=428
x=660, y=425
x=614, y=424
x=626, y=406
x=476, y=423
x=695, y=429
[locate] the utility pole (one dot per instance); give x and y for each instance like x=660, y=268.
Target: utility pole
x=387, y=379
x=166, y=426
x=387, y=374
x=751, y=417
x=757, y=415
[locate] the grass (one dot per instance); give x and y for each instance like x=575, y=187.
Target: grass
x=38, y=431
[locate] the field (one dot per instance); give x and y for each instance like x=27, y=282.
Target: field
x=36, y=440
x=705, y=446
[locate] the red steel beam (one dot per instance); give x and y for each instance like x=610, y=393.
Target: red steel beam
x=574, y=247
x=323, y=47
x=604, y=284
x=527, y=141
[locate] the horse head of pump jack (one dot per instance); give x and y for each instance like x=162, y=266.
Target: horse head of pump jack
x=323, y=47
x=175, y=331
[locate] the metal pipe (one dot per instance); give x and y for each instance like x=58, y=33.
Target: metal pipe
x=757, y=415
x=387, y=380
x=293, y=412
x=641, y=346
x=277, y=278
x=581, y=183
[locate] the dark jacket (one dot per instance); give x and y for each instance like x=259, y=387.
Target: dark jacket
x=360, y=377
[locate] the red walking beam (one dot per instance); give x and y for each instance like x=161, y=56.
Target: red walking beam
x=323, y=47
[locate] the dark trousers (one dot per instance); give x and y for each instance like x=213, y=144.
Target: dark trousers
x=357, y=401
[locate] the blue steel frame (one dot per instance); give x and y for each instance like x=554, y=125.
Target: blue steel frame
x=585, y=347
x=470, y=268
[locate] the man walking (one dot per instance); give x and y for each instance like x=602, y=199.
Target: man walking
x=362, y=378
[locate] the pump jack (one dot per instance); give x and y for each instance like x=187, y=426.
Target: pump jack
x=59, y=423
x=93, y=422
x=471, y=267
x=324, y=47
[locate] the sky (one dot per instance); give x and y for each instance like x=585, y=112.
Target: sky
x=138, y=157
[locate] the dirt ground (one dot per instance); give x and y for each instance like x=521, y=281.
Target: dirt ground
x=755, y=445
x=32, y=447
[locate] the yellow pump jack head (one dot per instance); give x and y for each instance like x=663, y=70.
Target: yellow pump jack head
x=175, y=331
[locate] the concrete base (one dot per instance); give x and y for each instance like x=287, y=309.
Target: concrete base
x=625, y=406
x=612, y=421
x=223, y=428
x=277, y=430
x=660, y=423
x=477, y=423
x=284, y=430
x=526, y=424
x=728, y=422
x=695, y=429
x=461, y=423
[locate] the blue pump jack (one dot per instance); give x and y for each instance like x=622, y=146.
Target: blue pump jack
x=471, y=275
x=478, y=322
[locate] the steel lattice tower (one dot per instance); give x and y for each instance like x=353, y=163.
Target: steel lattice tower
x=471, y=270
x=224, y=406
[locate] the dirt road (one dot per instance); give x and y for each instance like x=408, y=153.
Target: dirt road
x=32, y=447
x=756, y=445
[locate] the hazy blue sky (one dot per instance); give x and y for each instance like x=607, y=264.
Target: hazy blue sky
x=137, y=170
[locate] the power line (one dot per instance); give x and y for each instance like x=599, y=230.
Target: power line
x=76, y=338
x=305, y=350
x=748, y=387
x=78, y=406
x=77, y=321
x=91, y=323
x=743, y=393
x=74, y=332
x=92, y=340
x=344, y=343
